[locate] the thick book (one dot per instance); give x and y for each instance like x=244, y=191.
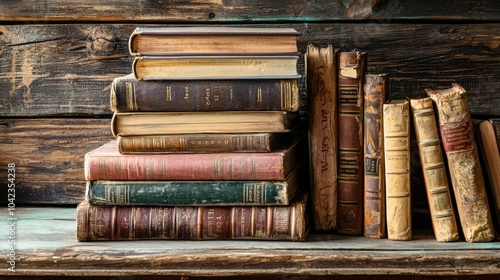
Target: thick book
x=375, y=90
x=159, y=123
x=434, y=170
x=193, y=193
x=200, y=143
x=321, y=77
x=350, y=211
x=396, y=115
x=216, y=67
x=96, y=222
x=211, y=40
x=106, y=163
x=131, y=95
x=467, y=179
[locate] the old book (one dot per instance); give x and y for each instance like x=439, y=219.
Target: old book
x=463, y=162
x=131, y=95
x=192, y=222
x=106, y=163
x=350, y=210
x=376, y=89
x=194, y=193
x=489, y=132
x=200, y=143
x=159, y=123
x=396, y=117
x=434, y=170
x=321, y=73
x=212, y=40
x=215, y=67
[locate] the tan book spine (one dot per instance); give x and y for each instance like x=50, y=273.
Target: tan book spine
x=463, y=162
x=397, y=169
x=434, y=171
x=321, y=65
x=375, y=95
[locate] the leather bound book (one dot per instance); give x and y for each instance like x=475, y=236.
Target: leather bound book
x=376, y=89
x=131, y=95
x=463, y=162
x=192, y=222
x=321, y=66
x=396, y=115
x=434, y=171
x=350, y=210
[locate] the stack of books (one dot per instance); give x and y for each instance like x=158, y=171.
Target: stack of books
x=204, y=146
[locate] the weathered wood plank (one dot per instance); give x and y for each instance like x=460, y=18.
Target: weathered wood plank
x=48, y=156
x=231, y=11
x=66, y=70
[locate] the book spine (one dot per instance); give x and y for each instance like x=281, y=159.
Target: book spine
x=434, y=171
x=375, y=94
x=322, y=101
x=130, y=95
x=463, y=161
x=96, y=222
x=397, y=170
x=198, y=143
x=350, y=210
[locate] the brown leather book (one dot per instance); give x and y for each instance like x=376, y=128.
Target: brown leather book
x=350, y=210
x=434, y=171
x=463, y=162
x=376, y=89
x=192, y=222
x=396, y=115
x=322, y=77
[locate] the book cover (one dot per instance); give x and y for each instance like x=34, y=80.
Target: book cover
x=375, y=90
x=434, y=170
x=130, y=95
x=350, y=212
x=467, y=179
x=396, y=115
x=321, y=67
x=159, y=123
x=192, y=222
x=106, y=163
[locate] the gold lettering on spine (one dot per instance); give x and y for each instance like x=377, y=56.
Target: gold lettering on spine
x=259, y=95
x=130, y=96
x=168, y=96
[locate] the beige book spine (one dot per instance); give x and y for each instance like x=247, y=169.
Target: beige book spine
x=435, y=174
x=463, y=162
x=397, y=169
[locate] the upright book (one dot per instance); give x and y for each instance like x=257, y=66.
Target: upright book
x=192, y=222
x=434, y=170
x=131, y=95
x=396, y=115
x=463, y=161
x=321, y=67
x=350, y=212
x=211, y=40
x=375, y=90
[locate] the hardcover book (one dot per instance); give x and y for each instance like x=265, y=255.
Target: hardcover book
x=159, y=123
x=321, y=67
x=192, y=222
x=212, y=40
x=463, y=162
x=376, y=89
x=131, y=95
x=350, y=212
x=396, y=115
x=434, y=171
x=215, y=67
x=106, y=163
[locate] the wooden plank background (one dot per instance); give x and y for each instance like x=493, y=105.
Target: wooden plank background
x=57, y=62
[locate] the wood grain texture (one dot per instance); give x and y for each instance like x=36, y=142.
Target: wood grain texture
x=67, y=69
x=48, y=154
x=244, y=11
